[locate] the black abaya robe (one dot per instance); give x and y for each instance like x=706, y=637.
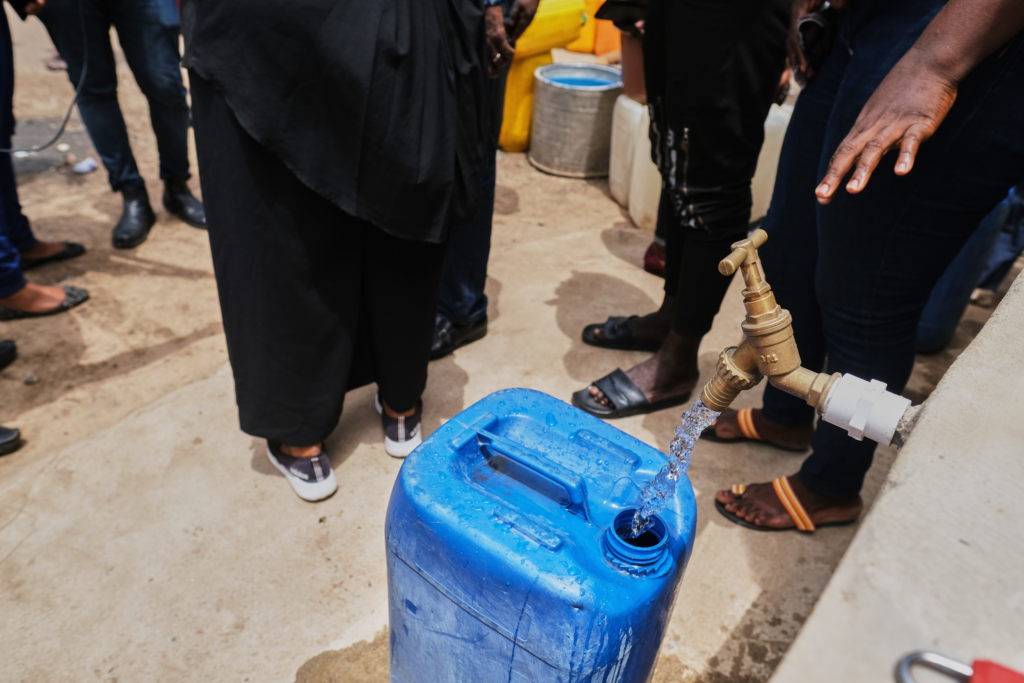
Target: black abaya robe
x=338, y=140
x=376, y=105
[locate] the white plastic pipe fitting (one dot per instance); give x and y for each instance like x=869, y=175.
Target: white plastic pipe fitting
x=864, y=409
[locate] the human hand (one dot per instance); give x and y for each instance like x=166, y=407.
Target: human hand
x=35, y=7
x=522, y=15
x=783, y=92
x=905, y=110
x=499, y=52
x=801, y=8
x=636, y=30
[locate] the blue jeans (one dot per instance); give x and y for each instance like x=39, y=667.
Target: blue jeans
x=15, y=232
x=462, y=295
x=148, y=33
x=1009, y=243
x=952, y=293
x=856, y=273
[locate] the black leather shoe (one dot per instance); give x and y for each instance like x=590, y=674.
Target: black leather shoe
x=8, y=352
x=179, y=201
x=448, y=337
x=10, y=440
x=136, y=219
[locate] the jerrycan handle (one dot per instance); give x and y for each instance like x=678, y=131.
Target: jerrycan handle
x=491, y=444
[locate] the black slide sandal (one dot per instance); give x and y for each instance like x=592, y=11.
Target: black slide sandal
x=617, y=335
x=624, y=395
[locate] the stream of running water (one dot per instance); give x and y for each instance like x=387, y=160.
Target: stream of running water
x=659, y=491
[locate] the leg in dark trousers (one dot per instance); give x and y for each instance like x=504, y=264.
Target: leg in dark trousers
x=97, y=102
x=18, y=246
x=314, y=301
x=712, y=72
x=875, y=257
x=462, y=305
x=148, y=33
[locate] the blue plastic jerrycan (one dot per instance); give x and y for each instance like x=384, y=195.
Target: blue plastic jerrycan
x=505, y=559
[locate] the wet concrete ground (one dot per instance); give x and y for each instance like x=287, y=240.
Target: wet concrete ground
x=144, y=537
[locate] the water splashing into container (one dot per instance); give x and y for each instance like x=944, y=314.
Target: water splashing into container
x=661, y=489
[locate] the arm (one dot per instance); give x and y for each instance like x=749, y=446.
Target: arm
x=522, y=14
x=914, y=98
x=26, y=7
x=499, y=52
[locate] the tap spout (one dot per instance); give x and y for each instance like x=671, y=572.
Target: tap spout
x=769, y=350
x=737, y=371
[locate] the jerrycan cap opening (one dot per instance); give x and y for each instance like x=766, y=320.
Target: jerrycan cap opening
x=647, y=555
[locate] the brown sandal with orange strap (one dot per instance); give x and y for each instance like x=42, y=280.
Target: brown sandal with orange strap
x=745, y=418
x=793, y=506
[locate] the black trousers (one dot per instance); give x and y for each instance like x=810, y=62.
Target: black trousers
x=315, y=301
x=712, y=72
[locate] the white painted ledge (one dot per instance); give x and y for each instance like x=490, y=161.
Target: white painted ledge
x=938, y=563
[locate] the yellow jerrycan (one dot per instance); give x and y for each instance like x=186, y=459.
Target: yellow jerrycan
x=556, y=24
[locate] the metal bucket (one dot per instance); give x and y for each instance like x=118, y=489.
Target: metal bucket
x=572, y=119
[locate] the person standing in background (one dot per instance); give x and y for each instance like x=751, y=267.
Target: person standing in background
x=1008, y=248
x=909, y=134
x=462, y=305
x=712, y=72
x=148, y=34
x=337, y=146
x=19, y=248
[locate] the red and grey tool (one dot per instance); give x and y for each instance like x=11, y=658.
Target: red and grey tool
x=980, y=671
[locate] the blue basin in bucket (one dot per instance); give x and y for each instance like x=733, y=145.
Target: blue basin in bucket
x=508, y=556
x=587, y=76
x=577, y=82
x=571, y=127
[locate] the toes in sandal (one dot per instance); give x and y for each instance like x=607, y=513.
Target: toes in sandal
x=626, y=398
x=793, y=506
x=745, y=418
x=617, y=334
x=73, y=296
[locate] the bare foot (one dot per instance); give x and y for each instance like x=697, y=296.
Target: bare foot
x=44, y=249
x=671, y=371
x=760, y=505
x=35, y=298
x=302, y=451
x=791, y=438
x=394, y=414
x=651, y=327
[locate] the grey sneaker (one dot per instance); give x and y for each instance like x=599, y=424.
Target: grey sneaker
x=311, y=478
x=401, y=434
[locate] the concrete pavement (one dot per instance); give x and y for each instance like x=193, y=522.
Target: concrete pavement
x=144, y=537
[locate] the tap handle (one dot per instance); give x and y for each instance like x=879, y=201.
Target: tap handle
x=744, y=251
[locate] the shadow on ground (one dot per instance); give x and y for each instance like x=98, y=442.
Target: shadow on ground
x=587, y=298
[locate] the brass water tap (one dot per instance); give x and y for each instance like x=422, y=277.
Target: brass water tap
x=768, y=348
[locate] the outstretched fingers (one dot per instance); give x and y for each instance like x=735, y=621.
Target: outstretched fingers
x=861, y=152
x=912, y=140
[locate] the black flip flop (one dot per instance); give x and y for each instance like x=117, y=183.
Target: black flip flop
x=73, y=296
x=617, y=335
x=624, y=395
x=70, y=250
